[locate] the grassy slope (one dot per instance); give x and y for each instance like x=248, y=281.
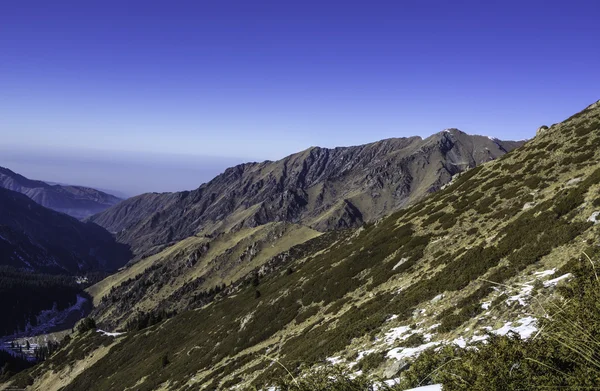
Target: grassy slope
x=344, y=288
x=206, y=262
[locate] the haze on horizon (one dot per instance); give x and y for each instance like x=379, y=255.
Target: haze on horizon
x=171, y=95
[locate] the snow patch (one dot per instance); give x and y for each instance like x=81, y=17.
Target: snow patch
x=399, y=263
x=437, y=298
x=403, y=353
x=594, y=218
x=479, y=338
x=521, y=296
x=433, y=387
x=545, y=273
x=395, y=333
x=525, y=329
x=460, y=341
x=555, y=281
x=362, y=354
x=109, y=334
x=335, y=360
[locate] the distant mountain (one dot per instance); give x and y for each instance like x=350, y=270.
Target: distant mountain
x=76, y=201
x=319, y=187
x=39, y=239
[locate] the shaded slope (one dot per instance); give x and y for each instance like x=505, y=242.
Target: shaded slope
x=322, y=188
x=41, y=239
x=76, y=201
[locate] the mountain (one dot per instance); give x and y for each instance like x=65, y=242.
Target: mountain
x=39, y=239
x=179, y=277
x=76, y=201
x=321, y=188
x=475, y=261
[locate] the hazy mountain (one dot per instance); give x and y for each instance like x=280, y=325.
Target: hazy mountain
x=76, y=201
x=322, y=188
x=39, y=239
x=472, y=262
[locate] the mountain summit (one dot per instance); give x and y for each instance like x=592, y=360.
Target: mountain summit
x=319, y=187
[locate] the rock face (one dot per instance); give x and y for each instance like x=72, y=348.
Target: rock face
x=76, y=201
x=40, y=239
x=322, y=188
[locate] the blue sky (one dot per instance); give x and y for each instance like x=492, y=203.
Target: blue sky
x=257, y=80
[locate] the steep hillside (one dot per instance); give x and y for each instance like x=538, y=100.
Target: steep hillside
x=321, y=188
x=39, y=239
x=190, y=273
x=467, y=263
x=76, y=201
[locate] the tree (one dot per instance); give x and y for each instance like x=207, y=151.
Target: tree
x=164, y=360
x=86, y=325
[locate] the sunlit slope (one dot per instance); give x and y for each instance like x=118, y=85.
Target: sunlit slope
x=431, y=269
x=171, y=279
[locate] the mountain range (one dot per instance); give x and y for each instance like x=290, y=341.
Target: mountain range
x=468, y=263
x=76, y=201
x=321, y=188
x=383, y=261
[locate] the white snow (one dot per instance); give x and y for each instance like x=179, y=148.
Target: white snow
x=545, y=273
x=573, y=181
x=555, y=281
x=395, y=333
x=521, y=296
x=335, y=360
x=486, y=305
x=460, y=341
x=433, y=387
x=594, y=218
x=400, y=262
x=392, y=318
x=109, y=334
x=479, y=338
x=402, y=353
x=525, y=329
x=364, y=353
x=437, y=298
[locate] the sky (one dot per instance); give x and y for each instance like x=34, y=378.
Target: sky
x=204, y=84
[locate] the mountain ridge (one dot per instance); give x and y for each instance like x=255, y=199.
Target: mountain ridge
x=319, y=187
x=77, y=201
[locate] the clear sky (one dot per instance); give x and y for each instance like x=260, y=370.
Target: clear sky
x=255, y=80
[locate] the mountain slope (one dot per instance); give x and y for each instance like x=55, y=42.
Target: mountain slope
x=179, y=277
x=321, y=188
x=469, y=259
x=40, y=239
x=76, y=201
